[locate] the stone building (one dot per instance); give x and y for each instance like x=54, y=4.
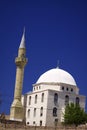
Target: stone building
x=45, y=105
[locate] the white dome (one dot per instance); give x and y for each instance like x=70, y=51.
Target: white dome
x=56, y=75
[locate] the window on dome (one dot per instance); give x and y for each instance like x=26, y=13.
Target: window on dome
x=55, y=98
x=35, y=99
x=29, y=100
x=54, y=111
x=66, y=100
x=42, y=98
x=77, y=100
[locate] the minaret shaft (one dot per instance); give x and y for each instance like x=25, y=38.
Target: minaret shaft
x=19, y=82
x=16, y=111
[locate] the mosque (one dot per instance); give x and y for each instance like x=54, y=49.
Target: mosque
x=45, y=105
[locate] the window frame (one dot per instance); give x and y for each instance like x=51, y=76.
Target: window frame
x=28, y=113
x=42, y=97
x=29, y=100
x=35, y=99
x=55, y=98
x=66, y=100
x=77, y=100
x=34, y=112
x=55, y=112
x=41, y=111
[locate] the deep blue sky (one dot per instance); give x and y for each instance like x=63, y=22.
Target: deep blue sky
x=55, y=30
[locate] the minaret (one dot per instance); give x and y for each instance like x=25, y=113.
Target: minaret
x=16, y=111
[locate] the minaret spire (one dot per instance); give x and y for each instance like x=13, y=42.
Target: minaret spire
x=22, y=43
x=58, y=64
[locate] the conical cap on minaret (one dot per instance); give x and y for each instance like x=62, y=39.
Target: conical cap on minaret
x=22, y=44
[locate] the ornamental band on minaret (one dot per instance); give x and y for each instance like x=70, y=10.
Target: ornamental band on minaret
x=16, y=111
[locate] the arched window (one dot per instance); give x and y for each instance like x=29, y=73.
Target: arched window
x=55, y=98
x=77, y=100
x=62, y=87
x=42, y=98
x=67, y=89
x=27, y=123
x=34, y=112
x=40, y=123
x=33, y=122
x=41, y=111
x=34, y=88
x=71, y=89
x=30, y=100
x=28, y=113
x=56, y=122
x=66, y=100
x=54, y=111
x=35, y=99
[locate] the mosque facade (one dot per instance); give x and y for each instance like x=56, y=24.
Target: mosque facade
x=45, y=104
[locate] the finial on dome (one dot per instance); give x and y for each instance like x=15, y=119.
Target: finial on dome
x=22, y=44
x=58, y=64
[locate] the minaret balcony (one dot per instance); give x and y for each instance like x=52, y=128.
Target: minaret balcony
x=21, y=61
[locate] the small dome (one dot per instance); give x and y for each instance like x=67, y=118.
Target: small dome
x=57, y=75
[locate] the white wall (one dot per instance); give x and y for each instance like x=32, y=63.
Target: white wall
x=48, y=104
x=38, y=106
